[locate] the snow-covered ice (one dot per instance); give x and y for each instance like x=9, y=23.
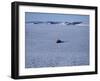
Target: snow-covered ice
x=41, y=49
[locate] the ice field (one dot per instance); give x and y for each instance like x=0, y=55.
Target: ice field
x=41, y=49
